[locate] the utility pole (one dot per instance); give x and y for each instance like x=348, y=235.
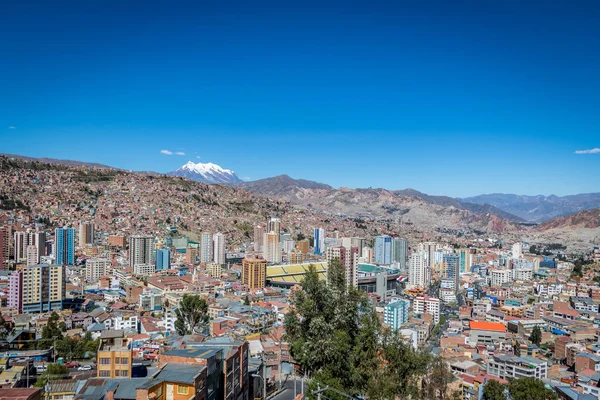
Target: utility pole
x=264, y=377
x=294, y=377
x=318, y=391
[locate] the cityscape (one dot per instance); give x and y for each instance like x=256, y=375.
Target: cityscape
x=278, y=201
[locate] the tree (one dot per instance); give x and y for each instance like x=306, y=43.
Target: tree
x=494, y=390
x=192, y=315
x=336, y=337
x=246, y=301
x=536, y=335
x=54, y=372
x=438, y=380
x=50, y=332
x=517, y=348
x=529, y=389
x=5, y=328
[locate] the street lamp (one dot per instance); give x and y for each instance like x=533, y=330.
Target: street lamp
x=264, y=384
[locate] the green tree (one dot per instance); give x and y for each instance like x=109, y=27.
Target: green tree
x=4, y=328
x=192, y=315
x=494, y=390
x=54, y=372
x=246, y=301
x=530, y=389
x=50, y=332
x=536, y=335
x=436, y=387
x=338, y=340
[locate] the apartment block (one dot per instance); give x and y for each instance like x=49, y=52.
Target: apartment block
x=115, y=355
x=44, y=288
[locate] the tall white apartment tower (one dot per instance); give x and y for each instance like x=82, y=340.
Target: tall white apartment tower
x=219, y=248
x=419, y=272
x=140, y=250
x=206, y=247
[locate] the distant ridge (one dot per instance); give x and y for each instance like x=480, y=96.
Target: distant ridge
x=57, y=161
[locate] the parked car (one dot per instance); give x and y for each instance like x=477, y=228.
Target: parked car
x=41, y=368
x=72, y=364
x=85, y=368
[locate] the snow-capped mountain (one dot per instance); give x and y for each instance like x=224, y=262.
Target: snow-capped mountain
x=206, y=172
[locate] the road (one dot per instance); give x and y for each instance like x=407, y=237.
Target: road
x=288, y=393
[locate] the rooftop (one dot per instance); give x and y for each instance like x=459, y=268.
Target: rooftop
x=488, y=326
x=179, y=373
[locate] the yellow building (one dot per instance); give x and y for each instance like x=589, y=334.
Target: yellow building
x=254, y=273
x=296, y=257
x=176, y=382
x=214, y=270
x=50, y=278
x=115, y=355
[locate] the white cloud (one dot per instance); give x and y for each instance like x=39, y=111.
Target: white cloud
x=179, y=153
x=12, y=127
x=197, y=156
x=590, y=151
x=166, y=152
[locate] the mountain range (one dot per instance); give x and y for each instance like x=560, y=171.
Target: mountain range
x=538, y=208
x=206, y=173
x=378, y=203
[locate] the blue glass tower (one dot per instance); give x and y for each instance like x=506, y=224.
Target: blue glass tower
x=65, y=246
x=383, y=249
x=163, y=259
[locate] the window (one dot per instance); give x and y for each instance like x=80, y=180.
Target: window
x=182, y=389
x=104, y=373
x=124, y=372
x=105, y=361
x=124, y=361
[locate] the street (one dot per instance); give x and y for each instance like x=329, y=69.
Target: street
x=288, y=393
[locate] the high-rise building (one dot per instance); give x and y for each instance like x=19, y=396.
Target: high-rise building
x=466, y=259
x=498, y=277
x=115, y=355
x=86, y=233
x=4, y=247
x=272, y=251
x=429, y=248
x=400, y=251
x=517, y=250
x=32, y=255
x=451, y=269
x=259, y=233
x=15, y=291
x=383, y=249
x=288, y=246
x=348, y=257
x=368, y=255
x=140, y=250
x=191, y=255
x=44, y=288
x=219, y=248
x=274, y=226
x=21, y=241
x=96, y=267
x=64, y=242
x=396, y=314
x=319, y=245
x=163, y=259
x=254, y=272
x=206, y=247
x=303, y=246
x=38, y=239
x=429, y=305
x=419, y=273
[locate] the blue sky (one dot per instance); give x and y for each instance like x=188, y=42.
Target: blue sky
x=456, y=99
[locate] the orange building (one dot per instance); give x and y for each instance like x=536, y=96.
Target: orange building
x=254, y=272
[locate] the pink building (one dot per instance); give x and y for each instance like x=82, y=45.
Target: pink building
x=15, y=290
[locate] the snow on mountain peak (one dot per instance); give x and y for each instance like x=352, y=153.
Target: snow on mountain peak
x=207, y=173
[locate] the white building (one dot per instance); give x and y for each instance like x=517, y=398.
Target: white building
x=32, y=255
x=125, y=322
x=505, y=366
x=271, y=248
x=95, y=268
x=419, y=272
x=206, y=247
x=140, y=250
x=517, y=250
x=426, y=304
x=144, y=269
x=219, y=248
x=498, y=277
